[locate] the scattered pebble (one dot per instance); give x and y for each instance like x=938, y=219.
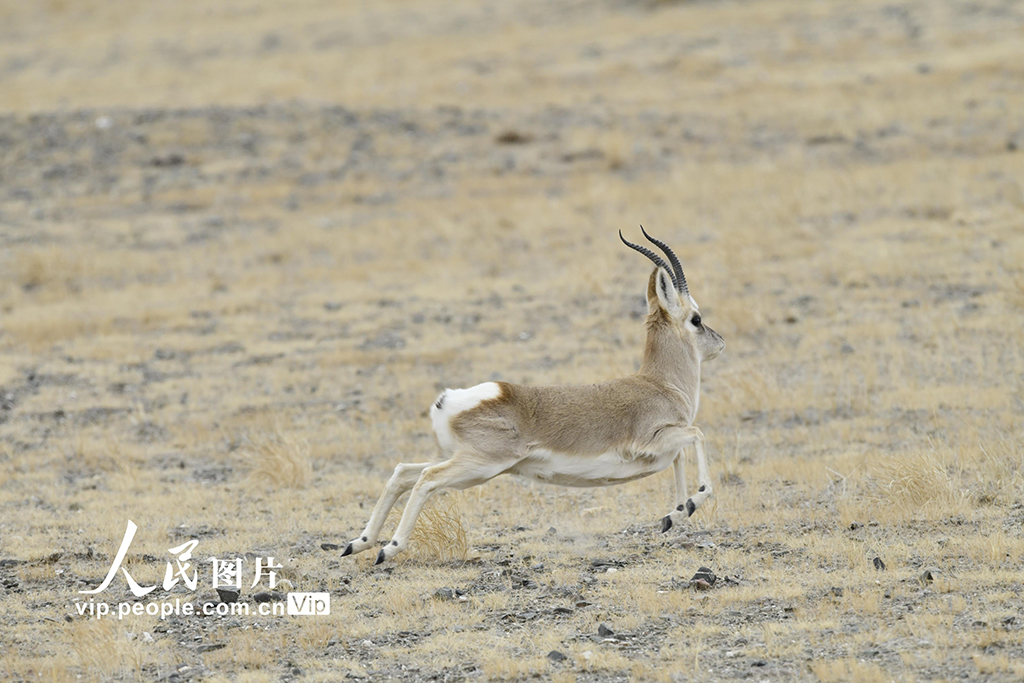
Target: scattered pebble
x=210, y=647
x=446, y=593
x=556, y=656
x=265, y=596
x=929, y=574
x=879, y=565
x=229, y=595
x=513, y=137
x=703, y=579
x=604, y=631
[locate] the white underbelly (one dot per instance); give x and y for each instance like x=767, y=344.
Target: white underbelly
x=589, y=470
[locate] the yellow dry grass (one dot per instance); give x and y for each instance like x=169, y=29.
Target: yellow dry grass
x=243, y=246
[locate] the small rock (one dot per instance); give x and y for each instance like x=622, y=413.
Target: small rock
x=210, y=647
x=759, y=662
x=604, y=631
x=556, y=656
x=879, y=565
x=929, y=574
x=837, y=591
x=147, y=637
x=228, y=595
x=855, y=525
x=330, y=546
x=706, y=575
x=444, y=593
x=265, y=596
x=172, y=159
x=582, y=603
x=561, y=610
x=513, y=137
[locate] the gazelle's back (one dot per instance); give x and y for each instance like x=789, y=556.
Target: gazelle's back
x=589, y=419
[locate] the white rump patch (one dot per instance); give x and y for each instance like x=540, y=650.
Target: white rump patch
x=455, y=401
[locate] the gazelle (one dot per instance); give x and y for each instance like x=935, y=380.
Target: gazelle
x=585, y=435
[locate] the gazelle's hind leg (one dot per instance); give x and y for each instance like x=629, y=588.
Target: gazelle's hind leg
x=465, y=469
x=685, y=505
x=402, y=480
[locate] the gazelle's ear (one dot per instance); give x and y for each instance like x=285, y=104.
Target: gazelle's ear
x=661, y=293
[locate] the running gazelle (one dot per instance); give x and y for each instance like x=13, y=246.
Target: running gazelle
x=582, y=435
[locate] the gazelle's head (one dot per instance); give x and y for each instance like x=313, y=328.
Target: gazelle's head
x=670, y=303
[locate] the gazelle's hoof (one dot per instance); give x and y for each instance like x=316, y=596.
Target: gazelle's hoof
x=691, y=507
x=357, y=545
x=388, y=551
x=666, y=523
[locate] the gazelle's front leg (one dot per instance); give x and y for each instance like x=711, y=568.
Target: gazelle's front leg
x=402, y=480
x=703, y=476
x=685, y=505
x=679, y=470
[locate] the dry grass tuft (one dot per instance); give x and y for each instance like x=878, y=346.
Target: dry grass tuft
x=280, y=459
x=1001, y=470
x=916, y=485
x=439, y=532
x=106, y=648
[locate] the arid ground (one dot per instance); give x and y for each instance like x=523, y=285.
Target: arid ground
x=244, y=245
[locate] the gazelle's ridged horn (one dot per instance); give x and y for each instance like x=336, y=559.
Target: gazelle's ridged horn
x=658, y=261
x=678, y=278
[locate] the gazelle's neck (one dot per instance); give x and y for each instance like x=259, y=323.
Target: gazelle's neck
x=671, y=359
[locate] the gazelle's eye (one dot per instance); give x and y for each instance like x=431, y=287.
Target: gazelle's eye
x=695, y=320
